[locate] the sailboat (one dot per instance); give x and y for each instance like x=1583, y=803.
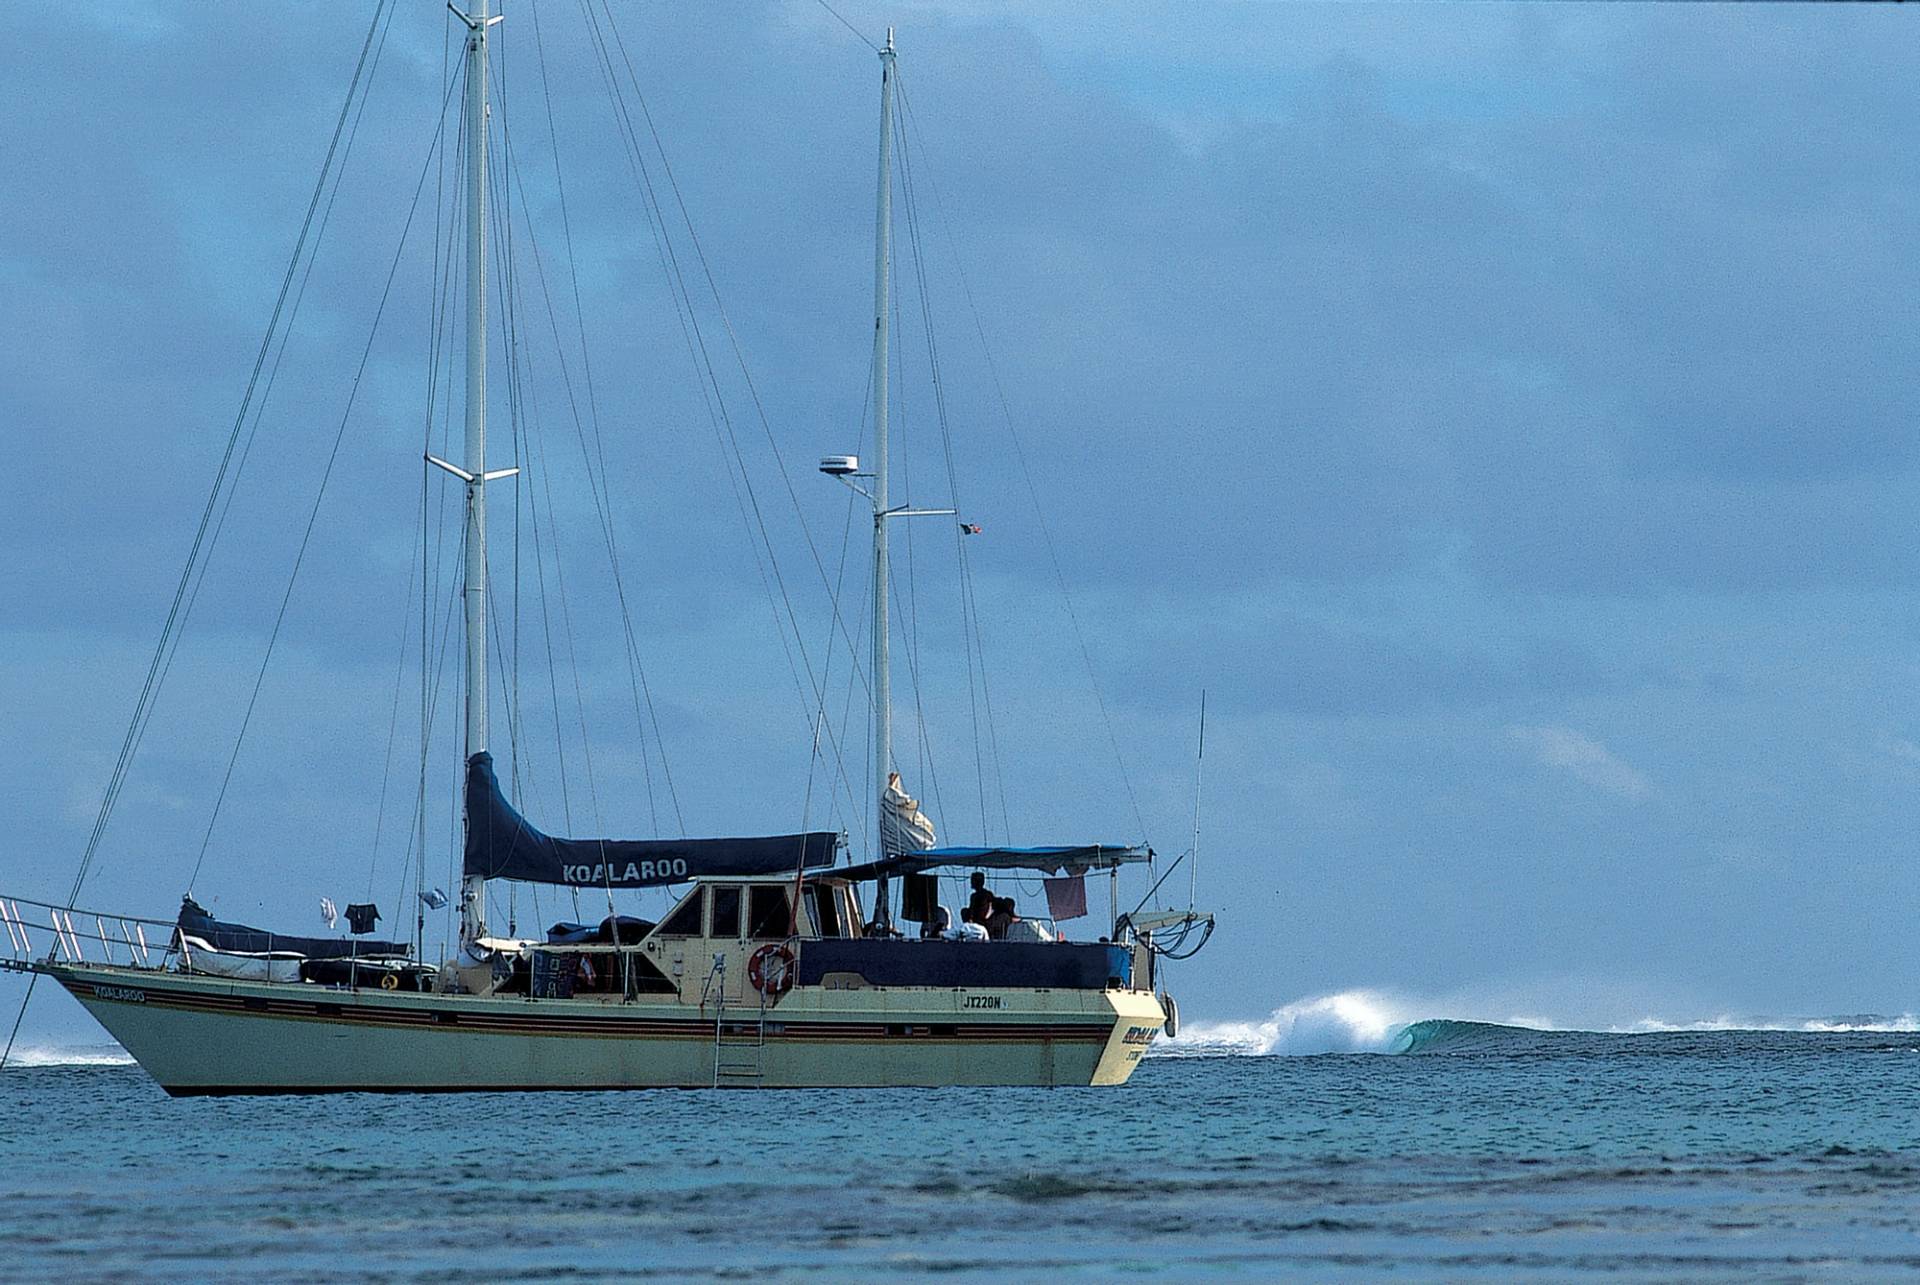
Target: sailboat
x=779, y=965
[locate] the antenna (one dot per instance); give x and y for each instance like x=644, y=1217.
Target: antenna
x=1199, y=765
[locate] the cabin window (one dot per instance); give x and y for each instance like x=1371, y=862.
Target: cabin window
x=685, y=920
x=771, y=913
x=826, y=910
x=726, y=912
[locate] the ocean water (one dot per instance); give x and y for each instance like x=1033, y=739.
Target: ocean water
x=1467, y=1150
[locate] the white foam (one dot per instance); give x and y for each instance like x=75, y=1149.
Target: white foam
x=71, y=1055
x=1861, y=1023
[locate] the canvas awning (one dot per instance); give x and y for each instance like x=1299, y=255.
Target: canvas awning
x=1062, y=859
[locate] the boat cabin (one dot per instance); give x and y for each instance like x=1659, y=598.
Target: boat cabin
x=731, y=940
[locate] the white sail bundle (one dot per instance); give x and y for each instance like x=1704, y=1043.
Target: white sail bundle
x=903, y=826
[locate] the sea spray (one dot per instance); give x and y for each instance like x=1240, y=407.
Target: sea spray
x=71, y=1055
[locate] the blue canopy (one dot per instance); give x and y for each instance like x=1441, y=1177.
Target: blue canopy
x=1068, y=858
x=501, y=844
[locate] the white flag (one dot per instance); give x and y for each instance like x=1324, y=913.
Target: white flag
x=903, y=826
x=434, y=898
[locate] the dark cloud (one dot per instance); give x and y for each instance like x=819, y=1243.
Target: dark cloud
x=1405, y=376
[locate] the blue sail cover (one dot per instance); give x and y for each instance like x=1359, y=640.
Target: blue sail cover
x=501, y=844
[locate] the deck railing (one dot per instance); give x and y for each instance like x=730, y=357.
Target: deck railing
x=43, y=932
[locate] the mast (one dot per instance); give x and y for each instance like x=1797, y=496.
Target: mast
x=847, y=468
x=883, y=679
x=473, y=895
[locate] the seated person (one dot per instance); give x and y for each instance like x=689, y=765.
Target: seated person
x=936, y=924
x=1029, y=930
x=1001, y=917
x=968, y=931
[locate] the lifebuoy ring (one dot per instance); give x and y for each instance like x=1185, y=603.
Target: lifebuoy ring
x=389, y=981
x=771, y=970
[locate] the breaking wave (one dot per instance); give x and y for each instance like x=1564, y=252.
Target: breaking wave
x=1348, y=1022
x=1365, y=1021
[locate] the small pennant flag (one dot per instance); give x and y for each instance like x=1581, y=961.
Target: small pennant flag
x=970, y=528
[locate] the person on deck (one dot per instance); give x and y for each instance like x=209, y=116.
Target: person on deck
x=1028, y=930
x=965, y=932
x=980, y=904
x=1001, y=916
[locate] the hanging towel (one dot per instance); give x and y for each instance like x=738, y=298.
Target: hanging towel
x=1067, y=898
x=360, y=919
x=919, y=897
x=329, y=912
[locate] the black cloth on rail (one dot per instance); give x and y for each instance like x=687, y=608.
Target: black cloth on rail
x=195, y=922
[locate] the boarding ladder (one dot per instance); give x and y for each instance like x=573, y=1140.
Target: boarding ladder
x=739, y=1038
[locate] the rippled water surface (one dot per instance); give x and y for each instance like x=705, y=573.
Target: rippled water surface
x=1722, y=1154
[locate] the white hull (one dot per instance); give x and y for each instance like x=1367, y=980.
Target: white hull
x=199, y=1035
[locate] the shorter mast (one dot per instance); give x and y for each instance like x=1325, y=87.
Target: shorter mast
x=882, y=667
x=847, y=468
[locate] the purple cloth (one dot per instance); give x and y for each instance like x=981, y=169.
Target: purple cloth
x=1067, y=898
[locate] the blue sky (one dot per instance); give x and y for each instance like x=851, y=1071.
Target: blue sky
x=1501, y=410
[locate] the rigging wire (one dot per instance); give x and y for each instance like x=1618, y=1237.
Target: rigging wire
x=630, y=135
x=436, y=315
x=149, y=689
x=858, y=34
x=393, y=729
x=200, y=548
x=599, y=487
x=439, y=300
x=1199, y=766
x=646, y=712
x=908, y=611
x=861, y=816
x=972, y=640
x=313, y=515
x=272, y=378
x=1033, y=494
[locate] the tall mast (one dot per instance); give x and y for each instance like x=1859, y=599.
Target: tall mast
x=473, y=896
x=882, y=256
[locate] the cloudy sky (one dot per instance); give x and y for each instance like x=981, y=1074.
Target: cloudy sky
x=1500, y=410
